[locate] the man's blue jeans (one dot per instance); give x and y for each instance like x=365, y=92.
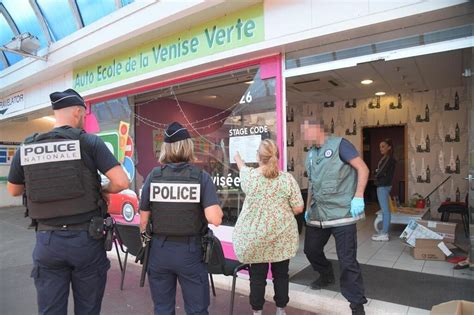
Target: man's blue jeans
x=383, y=193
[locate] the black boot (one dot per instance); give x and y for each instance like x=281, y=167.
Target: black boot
x=357, y=309
x=323, y=281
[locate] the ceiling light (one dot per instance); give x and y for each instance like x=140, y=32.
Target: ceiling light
x=50, y=118
x=211, y=97
x=249, y=82
x=367, y=81
x=381, y=93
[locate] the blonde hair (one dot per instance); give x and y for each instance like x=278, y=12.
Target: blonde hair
x=268, y=155
x=179, y=151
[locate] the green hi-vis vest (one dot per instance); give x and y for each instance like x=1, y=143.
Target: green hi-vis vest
x=333, y=184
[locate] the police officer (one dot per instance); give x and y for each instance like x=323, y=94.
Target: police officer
x=181, y=200
x=337, y=177
x=58, y=169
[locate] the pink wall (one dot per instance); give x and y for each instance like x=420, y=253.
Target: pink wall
x=164, y=111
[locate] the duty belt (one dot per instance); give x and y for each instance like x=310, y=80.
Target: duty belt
x=337, y=222
x=180, y=239
x=65, y=227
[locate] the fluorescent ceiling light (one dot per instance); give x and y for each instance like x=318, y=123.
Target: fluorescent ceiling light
x=211, y=96
x=249, y=82
x=381, y=93
x=367, y=81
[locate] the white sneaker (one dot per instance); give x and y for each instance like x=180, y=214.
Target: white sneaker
x=380, y=237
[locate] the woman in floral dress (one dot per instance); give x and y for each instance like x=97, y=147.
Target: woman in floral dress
x=266, y=231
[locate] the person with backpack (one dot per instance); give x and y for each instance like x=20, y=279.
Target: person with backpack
x=337, y=180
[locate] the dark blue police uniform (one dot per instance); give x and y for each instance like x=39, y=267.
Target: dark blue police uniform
x=179, y=257
x=65, y=254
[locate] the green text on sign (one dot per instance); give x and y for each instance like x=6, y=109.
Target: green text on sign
x=229, y=32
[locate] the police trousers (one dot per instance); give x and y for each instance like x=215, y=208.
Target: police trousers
x=352, y=286
x=172, y=261
x=69, y=258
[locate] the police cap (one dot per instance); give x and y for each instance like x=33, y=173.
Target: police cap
x=66, y=99
x=176, y=132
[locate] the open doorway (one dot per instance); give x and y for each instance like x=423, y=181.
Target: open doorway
x=372, y=136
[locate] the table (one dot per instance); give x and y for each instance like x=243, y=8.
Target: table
x=401, y=217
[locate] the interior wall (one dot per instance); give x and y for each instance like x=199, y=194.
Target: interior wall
x=17, y=132
x=163, y=111
x=446, y=130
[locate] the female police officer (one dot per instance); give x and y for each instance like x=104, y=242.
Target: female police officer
x=181, y=200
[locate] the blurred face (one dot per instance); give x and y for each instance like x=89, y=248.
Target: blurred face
x=313, y=132
x=384, y=148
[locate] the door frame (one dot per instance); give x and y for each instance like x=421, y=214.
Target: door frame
x=405, y=149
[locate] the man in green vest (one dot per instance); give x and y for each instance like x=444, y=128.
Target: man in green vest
x=337, y=179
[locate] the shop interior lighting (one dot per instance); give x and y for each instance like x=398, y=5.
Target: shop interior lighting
x=249, y=82
x=366, y=82
x=381, y=93
x=49, y=118
x=212, y=97
x=24, y=44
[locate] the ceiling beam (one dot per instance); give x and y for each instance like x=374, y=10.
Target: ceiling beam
x=76, y=13
x=9, y=19
x=41, y=20
x=3, y=60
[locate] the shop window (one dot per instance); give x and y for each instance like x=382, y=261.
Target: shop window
x=223, y=113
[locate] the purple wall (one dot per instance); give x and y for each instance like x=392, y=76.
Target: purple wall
x=165, y=111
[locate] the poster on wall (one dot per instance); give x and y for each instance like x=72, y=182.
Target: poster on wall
x=247, y=147
x=7, y=151
x=158, y=138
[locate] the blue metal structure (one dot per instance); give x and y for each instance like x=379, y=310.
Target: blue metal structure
x=48, y=20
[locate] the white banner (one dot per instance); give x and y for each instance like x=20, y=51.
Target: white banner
x=12, y=103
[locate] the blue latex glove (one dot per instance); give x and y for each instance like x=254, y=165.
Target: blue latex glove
x=306, y=216
x=357, y=206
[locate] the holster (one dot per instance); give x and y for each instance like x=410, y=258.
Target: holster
x=96, y=228
x=207, y=243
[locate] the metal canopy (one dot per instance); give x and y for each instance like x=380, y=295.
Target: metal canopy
x=48, y=20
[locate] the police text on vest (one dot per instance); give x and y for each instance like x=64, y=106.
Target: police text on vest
x=50, y=152
x=167, y=192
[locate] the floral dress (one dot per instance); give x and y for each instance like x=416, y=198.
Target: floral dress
x=266, y=230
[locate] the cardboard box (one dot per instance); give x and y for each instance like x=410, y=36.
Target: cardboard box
x=415, y=230
x=427, y=249
x=446, y=229
x=457, y=307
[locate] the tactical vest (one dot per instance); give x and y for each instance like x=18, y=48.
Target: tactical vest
x=333, y=185
x=57, y=182
x=175, y=198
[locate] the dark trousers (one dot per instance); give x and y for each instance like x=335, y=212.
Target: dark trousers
x=64, y=258
x=352, y=287
x=258, y=281
x=171, y=261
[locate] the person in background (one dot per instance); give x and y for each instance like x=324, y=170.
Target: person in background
x=383, y=181
x=58, y=171
x=337, y=180
x=180, y=199
x=266, y=231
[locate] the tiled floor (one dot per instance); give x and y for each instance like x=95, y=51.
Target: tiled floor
x=391, y=254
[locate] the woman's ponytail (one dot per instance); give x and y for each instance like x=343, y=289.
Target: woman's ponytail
x=268, y=155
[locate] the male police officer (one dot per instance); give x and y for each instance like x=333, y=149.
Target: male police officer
x=59, y=171
x=337, y=177
x=182, y=200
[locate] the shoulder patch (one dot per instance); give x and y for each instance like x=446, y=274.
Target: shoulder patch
x=328, y=153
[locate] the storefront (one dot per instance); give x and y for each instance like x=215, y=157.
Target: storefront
x=249, y=74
